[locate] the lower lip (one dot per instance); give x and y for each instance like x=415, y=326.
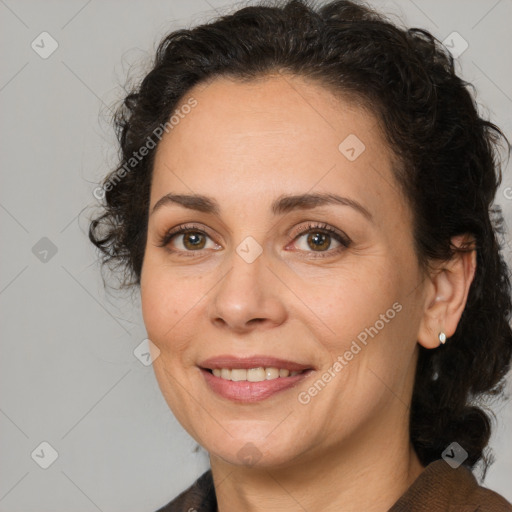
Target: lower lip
x=245, y=391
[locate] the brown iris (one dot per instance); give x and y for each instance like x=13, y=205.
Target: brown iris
x=320, y=241
x=196, y=239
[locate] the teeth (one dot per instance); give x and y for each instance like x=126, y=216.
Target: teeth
x=253, y=374
x=273, y=373
x=237, y=375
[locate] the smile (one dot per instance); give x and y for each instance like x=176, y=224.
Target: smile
x=253, y=374
x=251, y=379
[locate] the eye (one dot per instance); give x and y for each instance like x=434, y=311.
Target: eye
x=318, y=238
x=186, y=239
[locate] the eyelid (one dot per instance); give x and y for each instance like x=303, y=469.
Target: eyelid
x=181, y=229
x=321, y=226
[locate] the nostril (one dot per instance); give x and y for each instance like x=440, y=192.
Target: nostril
x=256, y=320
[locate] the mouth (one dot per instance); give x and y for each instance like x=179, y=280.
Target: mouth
x=258, y=374
x=251, y=379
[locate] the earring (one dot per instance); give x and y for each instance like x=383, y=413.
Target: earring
x=442, y=337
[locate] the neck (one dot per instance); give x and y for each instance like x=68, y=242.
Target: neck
x=370, y=472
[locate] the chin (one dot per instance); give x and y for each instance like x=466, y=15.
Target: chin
x=246, y=453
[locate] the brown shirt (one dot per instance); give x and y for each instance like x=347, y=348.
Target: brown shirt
x=438, y=488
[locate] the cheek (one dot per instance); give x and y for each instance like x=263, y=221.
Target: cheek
x=170, y=304
x=347, y=303
x=162, y=300
x=368, y=329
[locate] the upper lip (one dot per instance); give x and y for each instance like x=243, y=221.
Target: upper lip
x=227, y=361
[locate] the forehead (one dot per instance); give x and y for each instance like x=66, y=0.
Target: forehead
x=281, y=134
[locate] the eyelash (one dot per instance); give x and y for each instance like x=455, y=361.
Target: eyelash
x=311, y=227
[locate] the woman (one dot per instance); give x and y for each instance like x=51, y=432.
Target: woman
x=304, y=198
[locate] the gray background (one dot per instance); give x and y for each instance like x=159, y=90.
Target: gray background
x=68, y=373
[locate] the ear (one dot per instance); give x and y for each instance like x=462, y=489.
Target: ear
x=447, y=292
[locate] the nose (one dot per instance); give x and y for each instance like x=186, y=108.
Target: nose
x=247, y=297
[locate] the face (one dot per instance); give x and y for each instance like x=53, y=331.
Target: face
x=298, y=259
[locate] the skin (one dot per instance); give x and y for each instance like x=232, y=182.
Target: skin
x=246, y=144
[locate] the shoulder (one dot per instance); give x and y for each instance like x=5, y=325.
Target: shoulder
x=441, y=487
x=199, y=497
x=487, y=500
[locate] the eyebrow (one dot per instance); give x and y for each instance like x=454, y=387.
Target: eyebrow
x=280, y=206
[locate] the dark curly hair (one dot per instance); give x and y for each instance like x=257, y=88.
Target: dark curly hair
x=449, y=171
